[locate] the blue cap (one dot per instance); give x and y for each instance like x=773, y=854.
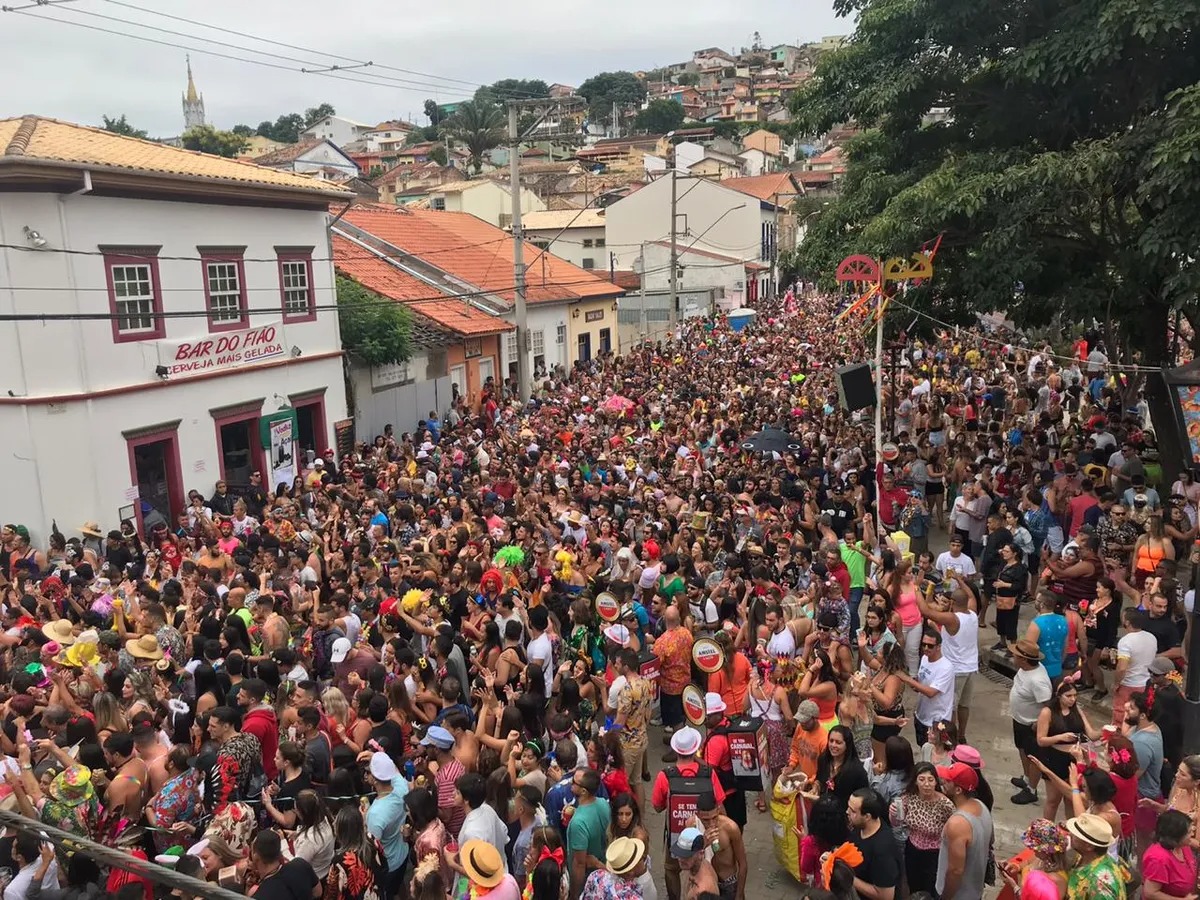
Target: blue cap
x=439, y=737
x=688, y=844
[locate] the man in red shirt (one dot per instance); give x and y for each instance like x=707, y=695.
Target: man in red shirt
x=837, y=569
x=686, y=743
x=892, y=500
x=1080, y=504
x=717, y=754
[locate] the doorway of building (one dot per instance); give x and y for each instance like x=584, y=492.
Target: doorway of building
x=154, y=461
x=585, y=347
x=237, y=453
x=310, y=430
x=605, y=340
x=487, y=369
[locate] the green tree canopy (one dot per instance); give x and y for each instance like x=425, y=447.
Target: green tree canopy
x=286, y=129
x=687, y=79
x=1056, y=148
x=315, y=113
x=603, y=90
x=659, y=117
x=512, y=89
x=432, y=112
x=243, y=130
x=374, y=329
x=479, y=126
x=207, y=139
x=120, y=125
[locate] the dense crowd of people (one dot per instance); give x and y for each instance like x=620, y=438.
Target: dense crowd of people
x=440, y=666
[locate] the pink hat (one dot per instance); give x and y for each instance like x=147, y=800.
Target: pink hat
x=965, y=753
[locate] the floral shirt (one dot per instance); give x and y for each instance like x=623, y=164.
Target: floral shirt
x=603, y=885
x=635, y=700
x=1103, y=879
x=350, y=879
x=674, y=651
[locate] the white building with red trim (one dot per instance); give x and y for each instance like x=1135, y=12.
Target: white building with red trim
x=156, y=306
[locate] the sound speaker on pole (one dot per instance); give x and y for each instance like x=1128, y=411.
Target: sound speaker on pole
x=856, y=387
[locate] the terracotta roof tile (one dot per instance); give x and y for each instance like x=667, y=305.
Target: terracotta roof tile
x=388, y=281
x=765, y=187
x=287, y=154
x=33, y=138
x=479, y=254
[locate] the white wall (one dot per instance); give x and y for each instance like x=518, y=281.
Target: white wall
x=69, y=456
x=543, y=317
x=569, y=245
x=730, y=221
x=700, y=273
x=322, y=156
x=335, y=128
x=488, y=201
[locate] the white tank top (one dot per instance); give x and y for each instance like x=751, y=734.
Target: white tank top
x=962, y=649
x=782, y=644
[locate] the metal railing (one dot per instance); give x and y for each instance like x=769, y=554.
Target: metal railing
x=110, y=856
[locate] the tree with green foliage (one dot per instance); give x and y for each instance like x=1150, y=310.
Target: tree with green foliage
x=438, y=155
x=433, y=113
x=243, y=130
x=423, y=135
x=207, y=139
x=285, y=129
x=512, y=89
x=1061, y=169
x=603, y=90
x=374, y=329
x=479, y=126
x=314, y=114
x=659, y=117
x=729, y=130
x=121, y=125
x=687, y=79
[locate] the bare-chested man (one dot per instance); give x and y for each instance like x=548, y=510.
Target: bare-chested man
x=688, y=848
x=724, y=838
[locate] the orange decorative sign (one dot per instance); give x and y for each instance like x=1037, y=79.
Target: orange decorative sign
x=858, y=269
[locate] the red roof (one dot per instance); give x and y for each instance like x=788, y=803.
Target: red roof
x=765, y=187
x=625, y=279
x=388, y=281
x=478, y=253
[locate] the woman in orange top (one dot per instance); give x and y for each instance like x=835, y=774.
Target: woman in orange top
x=732, y=680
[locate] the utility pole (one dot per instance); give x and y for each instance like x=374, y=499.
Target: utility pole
x=522, y=317
x=616, y=122
x=773, y=291
x=543, y=108
x=674, y=243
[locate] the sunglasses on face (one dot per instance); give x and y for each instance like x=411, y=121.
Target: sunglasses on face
x=927, y=646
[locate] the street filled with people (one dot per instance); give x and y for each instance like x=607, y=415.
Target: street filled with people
x=474, y=659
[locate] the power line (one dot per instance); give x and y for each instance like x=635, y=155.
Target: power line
x=264, y=40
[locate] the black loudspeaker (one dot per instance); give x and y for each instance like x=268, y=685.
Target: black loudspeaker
x=856, y=387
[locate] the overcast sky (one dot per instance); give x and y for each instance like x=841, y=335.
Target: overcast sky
x=76, y=74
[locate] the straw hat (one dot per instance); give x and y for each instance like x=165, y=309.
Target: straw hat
x=144, y=647
x=624, y=854
x=60, y=632
x=1091, y=829
x=1027, y=650
x=482, y=863
x=91, y=529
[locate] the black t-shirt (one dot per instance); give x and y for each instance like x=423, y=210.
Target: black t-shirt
x=1164, y=631
x=390, y=738
x=881, y=858
x=285, y=800
x=295, y=880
